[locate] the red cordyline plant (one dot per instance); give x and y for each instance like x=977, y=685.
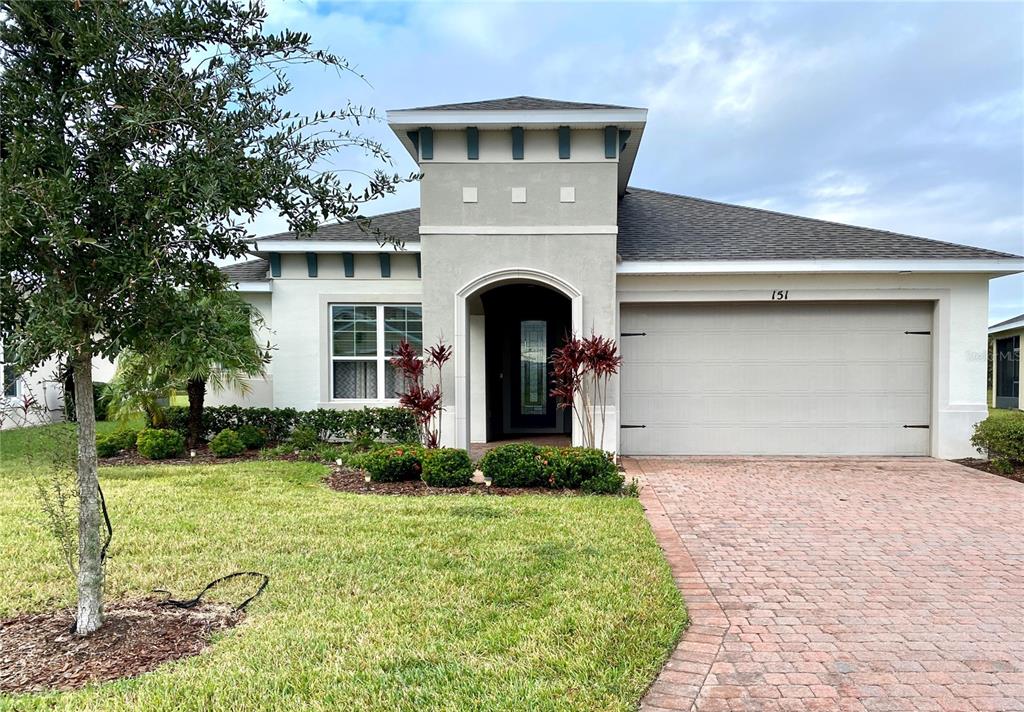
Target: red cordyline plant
x=581, y=370
x=425, y=403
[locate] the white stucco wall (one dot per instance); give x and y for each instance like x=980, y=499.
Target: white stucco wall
x=959, y=334
x=297, y=314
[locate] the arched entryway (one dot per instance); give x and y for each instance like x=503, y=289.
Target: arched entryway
x=507, y=323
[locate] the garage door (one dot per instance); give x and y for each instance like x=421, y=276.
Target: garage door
x=776, y=378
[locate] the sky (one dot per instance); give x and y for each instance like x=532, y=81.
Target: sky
x=900, y=116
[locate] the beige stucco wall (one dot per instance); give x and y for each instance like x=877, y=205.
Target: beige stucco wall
x=959, y=335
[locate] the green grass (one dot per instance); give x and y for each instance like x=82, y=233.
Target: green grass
x=375, y=603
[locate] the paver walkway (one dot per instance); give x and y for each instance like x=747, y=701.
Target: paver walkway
x=840, y=584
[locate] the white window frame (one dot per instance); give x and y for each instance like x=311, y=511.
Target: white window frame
x=381, y=358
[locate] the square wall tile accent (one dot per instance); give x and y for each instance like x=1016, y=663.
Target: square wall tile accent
x=519, y=195
x=469, y=194
x=567, y=194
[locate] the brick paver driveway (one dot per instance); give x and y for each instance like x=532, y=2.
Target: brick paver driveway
x=861, y=584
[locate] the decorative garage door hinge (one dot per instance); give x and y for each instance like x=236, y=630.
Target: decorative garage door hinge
x=922, y=333
x=632, y=426
x=633, y=333
x=917, y=426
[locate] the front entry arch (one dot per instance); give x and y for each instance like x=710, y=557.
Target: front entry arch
x=464, y=345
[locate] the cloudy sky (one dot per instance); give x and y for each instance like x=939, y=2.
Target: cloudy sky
x=902, y=116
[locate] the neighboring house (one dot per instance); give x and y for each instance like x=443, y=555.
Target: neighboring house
x=1005, y=350
x=37, y=397
x=742, y=331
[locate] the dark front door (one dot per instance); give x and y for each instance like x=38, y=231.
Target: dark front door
x=1007, y=369
x=523, y=324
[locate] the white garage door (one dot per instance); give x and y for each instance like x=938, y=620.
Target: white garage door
x=784, y=378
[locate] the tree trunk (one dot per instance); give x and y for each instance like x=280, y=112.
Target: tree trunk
x=196, y=388
x=90, y=567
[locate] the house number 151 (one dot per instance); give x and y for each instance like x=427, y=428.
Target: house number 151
x=780, y=295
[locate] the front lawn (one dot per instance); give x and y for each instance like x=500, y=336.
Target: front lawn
x=384, y=603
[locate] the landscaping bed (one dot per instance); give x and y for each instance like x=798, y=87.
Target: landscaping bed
x=40, y=652
x=1016, y=474
x=204, y=456
x=347, y=479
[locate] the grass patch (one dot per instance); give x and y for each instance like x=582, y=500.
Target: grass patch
x=375, y=603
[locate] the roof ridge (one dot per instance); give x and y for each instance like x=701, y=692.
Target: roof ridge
x=819, y=220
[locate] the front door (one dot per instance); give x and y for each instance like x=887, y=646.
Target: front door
x=523, y=324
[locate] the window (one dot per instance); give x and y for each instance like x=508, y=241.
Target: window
x=363, y=338
x=9, y=381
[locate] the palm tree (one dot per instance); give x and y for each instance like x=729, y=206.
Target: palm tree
x=215, y=345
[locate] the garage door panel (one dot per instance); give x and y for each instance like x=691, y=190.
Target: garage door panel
x=776, y=379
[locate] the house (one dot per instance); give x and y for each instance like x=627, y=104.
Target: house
x=36, y=397
x=1004, y=339
x=742, y=331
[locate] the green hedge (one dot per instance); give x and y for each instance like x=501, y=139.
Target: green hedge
x=159, y=444
x=362, y=427
x=572, y=467
x=513, y=465
x=227, y=443
x=447, y=467
x=116, y=442
x=1001, y=438
x=396, y=463
x=526, y=465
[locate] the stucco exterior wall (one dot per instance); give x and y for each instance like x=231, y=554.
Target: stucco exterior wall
x=451, y=262
x=261, y=390
x=959, y=334
x=297, y=312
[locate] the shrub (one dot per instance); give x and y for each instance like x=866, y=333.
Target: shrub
x=227, y=443
x=395, y=463
x=304, y=438
x=1002, y=438
x=116, y=442
x=362, y=427
x=159, y=444
x=604, y=482
x=573, y=466
x=251, y=436
x=513, y=465
x=447, y=467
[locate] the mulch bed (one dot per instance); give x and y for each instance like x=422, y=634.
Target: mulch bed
x=39, y=652
x=986, y=466
x=203, y=457
x=345, y=479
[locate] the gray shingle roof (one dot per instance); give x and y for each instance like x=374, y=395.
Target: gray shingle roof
x=401, y=225
x=662, y=226
x=251, y=271
x=517, y=103
x=1012, y=319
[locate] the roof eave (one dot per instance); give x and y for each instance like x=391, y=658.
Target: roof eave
x=994, y=267
x=1014, y=325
